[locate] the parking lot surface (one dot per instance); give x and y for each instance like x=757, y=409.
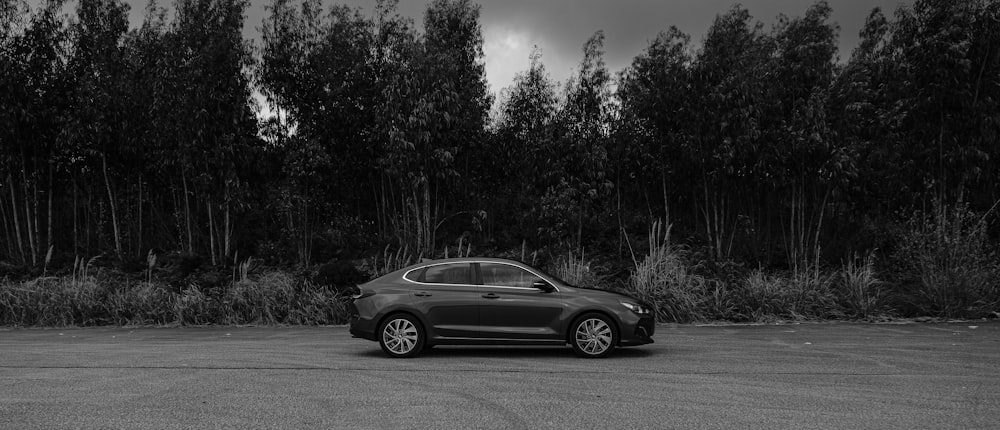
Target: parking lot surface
x=811, y=375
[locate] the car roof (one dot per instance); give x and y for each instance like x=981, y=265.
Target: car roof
x=428, y=262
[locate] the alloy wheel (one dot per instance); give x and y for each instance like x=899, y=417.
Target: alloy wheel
x=594, y=336
x=400, y=336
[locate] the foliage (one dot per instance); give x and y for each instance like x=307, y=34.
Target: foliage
x=945, y=257
x=764, y=297
x=100, y=299
x=665, y=280
x=758, y=146
x=575, y=270
x=860, y=287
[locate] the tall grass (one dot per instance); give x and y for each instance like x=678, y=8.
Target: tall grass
x=860, y=288
x=665, y=280
x=946, y=255
x=86, y=299
x=768, y=296
x=392, y=261
x=575, y=270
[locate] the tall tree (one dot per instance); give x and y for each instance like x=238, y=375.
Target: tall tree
x=436, y=109
x=655, y=114
x=578, y=177
x=522, y=139
x=729, y=76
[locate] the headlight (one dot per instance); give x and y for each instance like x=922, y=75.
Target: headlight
x=639, y=309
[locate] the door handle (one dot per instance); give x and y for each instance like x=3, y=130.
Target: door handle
x=491, y=296
x=422, y=294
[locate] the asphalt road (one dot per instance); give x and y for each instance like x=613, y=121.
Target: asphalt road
x=797, y=376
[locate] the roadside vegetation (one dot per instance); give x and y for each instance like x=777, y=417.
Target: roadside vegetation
x=755, y=175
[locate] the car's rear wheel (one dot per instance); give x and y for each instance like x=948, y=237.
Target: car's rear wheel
x=593, y=336
x=401, y=336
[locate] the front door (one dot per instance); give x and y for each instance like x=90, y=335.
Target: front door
x=511, y=308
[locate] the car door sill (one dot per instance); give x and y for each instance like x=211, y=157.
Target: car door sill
x=494, y=340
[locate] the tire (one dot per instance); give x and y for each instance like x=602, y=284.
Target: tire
x=401, y=336
x=593, y=336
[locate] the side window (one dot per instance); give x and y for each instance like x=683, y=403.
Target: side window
x=448, y=274
x=505, y=275
x=414, y=275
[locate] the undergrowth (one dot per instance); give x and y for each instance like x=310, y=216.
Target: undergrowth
x=268, y=299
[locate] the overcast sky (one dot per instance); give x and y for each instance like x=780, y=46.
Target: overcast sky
x=560, y=27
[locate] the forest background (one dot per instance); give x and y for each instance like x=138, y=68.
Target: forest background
x=752, y=177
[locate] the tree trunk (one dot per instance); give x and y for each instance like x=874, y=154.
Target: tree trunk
x=211, y=234
x=7, y=234
x=48, y=228
x=228, y=232
x=666, y=199
x=187, y=212
x=139, y=229
x=111, y=201
x=17, y=224
x=76, y=223
x=28, y=217
x=428, y=241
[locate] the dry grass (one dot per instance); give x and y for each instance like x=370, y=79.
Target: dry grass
x=860, y=288
x=766, y=297
x=392, y=261
x=575, y=270
x=83, y=299
x=665, y=280
x=956, y=272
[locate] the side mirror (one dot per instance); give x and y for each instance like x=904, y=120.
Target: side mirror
x=544, y=286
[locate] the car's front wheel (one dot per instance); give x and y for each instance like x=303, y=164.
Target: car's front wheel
x=593, y=336
x=401, y=336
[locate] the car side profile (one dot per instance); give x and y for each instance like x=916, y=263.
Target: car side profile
x=491, y=301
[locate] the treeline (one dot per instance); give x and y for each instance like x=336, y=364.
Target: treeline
x=760, y=146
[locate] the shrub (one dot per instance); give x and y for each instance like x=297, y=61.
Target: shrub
x=82, y=300
x=860, y=288
x=665, y=280
x=945, y=259
x=802, y=295
x=280, y=298
x=575, y=270
x=390, y=261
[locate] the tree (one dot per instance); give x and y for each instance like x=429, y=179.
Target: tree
x=729, y=77
x=578, y=176
x=655, y=95
x=35, y=98
x=522, y=139
x=95, y=134
x=321, y=71
x=436, y=109
x=802, y=161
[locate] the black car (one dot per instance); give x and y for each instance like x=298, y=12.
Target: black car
x=490, y=301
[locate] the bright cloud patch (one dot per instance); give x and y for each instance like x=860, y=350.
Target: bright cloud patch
x=506, y=52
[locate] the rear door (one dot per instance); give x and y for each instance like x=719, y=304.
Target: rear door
x=511, y=308
x=447, y=298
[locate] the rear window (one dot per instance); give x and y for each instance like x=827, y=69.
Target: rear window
x=457, y=273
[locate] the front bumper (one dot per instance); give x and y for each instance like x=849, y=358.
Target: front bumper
x=640, y=333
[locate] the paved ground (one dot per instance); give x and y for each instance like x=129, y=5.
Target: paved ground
x=776, y=376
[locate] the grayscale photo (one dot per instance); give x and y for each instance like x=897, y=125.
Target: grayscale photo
x=499, y=214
